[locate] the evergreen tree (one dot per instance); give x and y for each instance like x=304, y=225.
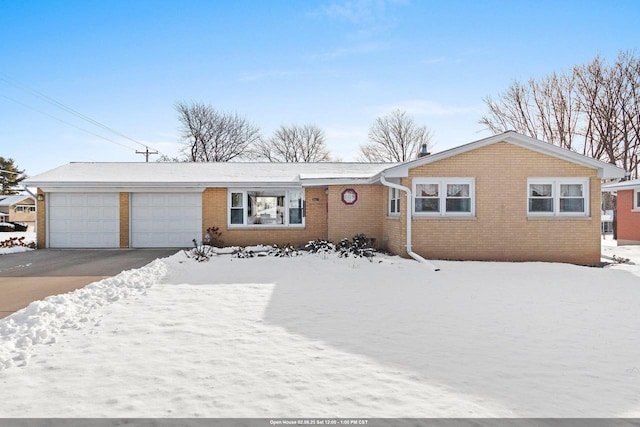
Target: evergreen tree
x=10, y=176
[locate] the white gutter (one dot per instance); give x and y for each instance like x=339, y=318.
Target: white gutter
x=409, y=251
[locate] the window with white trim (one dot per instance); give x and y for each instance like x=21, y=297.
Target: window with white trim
x=444, y=196
x=24, y=208
x=264, y=208
x=394, y=201
x=636, y=200
x=558, y=196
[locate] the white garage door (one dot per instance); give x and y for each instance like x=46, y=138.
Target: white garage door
x=84, y=220
x=170, y=220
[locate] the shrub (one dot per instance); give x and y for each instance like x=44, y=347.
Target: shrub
x=285, y=251
x=200, y=253
x=212, y=237
x=16, y=241
x=243, y=253
x=320, y=247
x=359, y=246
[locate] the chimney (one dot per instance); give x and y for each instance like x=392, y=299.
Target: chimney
x=423, y=151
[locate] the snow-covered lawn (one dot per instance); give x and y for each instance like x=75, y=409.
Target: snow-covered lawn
x=318, y=336
x=28, y=238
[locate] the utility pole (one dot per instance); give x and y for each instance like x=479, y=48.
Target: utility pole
x=146, y=153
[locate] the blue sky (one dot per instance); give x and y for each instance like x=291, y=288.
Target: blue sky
x=336, y=64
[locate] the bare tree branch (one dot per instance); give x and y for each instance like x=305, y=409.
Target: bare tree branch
x=593, y=109
x=395, y=138
x=213, y=136
x=294, y=144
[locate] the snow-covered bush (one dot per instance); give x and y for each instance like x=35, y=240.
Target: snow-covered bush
x=320, y=247
x=285, y=251
x=243, y=253
x=200, y=253
x=359, y=246
x=620, y=260
x=13, y=242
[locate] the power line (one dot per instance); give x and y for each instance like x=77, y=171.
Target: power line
x=67, y=123
x=69, y=110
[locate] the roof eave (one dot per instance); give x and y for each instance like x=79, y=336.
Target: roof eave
x=605, y=170
x=318, y=182
x=121, y=185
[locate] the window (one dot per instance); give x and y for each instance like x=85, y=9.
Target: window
x=296, y=207
x=394, y=201
x=276, y=208
x=444, y=196
x=458, y=198
x=23, y=208
x=636, y=200
x=236, y=213
x=558, y=197
x=540, y=198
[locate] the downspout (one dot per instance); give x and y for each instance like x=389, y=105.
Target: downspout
x=407, y=191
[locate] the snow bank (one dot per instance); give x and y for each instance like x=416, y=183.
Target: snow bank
x=14, y=250
x=43, y=321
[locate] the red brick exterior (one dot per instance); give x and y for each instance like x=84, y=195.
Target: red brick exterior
x=628, y=219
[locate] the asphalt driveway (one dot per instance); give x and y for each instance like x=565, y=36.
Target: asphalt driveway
x=34, y=275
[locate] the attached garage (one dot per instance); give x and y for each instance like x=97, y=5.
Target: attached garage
x=170, y=220
x=84, y=220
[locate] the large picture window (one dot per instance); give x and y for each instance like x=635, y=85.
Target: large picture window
x=444, y=196
x=558, y=197
x=275, y=208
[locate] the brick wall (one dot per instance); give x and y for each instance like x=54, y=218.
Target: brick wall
x=124, y=220
x=501, y=230
x=41, y=231
x=628, y=220
x=394, y=227
x=214, y=214
x=365, y=216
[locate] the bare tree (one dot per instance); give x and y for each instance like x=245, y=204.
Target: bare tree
x=545, y=109
x=213, y=136
x=395, y=138
x=594, y=109
x=294, y=144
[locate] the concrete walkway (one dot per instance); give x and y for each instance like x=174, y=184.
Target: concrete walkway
x=31, y=276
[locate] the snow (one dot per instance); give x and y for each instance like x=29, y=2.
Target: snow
x=198, y=174
x=610, y=249
x=321, y=336
x=28, y=238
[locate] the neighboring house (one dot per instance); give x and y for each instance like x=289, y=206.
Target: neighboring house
x=505, y=198
x=606, y=219
x=20, y=209
x=627, y=210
